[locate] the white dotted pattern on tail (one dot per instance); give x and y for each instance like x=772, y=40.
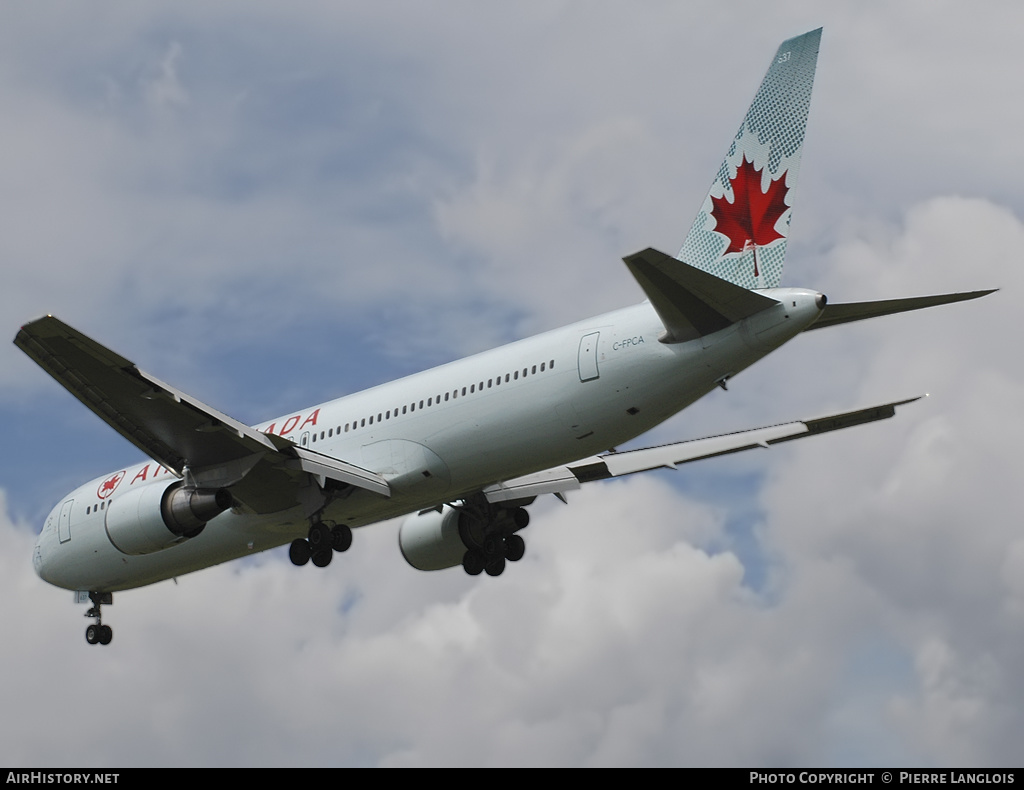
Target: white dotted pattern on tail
x=770, y=139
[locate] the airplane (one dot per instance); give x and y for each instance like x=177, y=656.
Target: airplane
x=461, y=450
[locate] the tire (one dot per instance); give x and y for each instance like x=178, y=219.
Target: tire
x=492, y=546
x=473, y=562
x=323, y=557
x=495, y=567
x=521, y=518
x=299, y=552
x=515, y=548
x=341, y=538
x=319, y=537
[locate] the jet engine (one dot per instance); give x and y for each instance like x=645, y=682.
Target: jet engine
x=430, y=541
x=433, y=540
x=153, y=518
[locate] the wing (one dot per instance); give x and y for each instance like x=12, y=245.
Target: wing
x=186, y=436
x=560, y=479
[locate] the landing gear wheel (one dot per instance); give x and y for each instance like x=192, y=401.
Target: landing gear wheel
x=323, y=557
x=473, y=562
x=341, y=537
x=492, y=547
x=489, y=534
x=319, y=537
x=299, y=552
x=521, y=518
x=515, y=548
x=97, y=633
x=495, y=567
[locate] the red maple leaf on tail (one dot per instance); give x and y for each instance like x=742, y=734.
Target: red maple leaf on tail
x=749, y=221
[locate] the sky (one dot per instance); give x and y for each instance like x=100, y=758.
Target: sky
x=269, y=205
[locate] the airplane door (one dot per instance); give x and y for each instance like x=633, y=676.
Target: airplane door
x=587, y=360
x=64, y=523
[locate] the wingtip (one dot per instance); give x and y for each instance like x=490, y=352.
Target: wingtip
x=37, y=319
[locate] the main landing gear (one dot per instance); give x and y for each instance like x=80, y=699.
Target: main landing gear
x=491, y=539
x=324, y=539
x=97, y=633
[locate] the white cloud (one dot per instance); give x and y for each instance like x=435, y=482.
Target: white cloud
x=164, y=91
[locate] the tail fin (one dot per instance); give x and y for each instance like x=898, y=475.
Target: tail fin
x=740, y=232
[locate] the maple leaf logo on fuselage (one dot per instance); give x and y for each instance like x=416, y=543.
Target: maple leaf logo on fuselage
x=108, y=486
x=749, y=221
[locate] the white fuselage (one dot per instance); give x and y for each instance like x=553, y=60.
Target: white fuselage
x=443, y=434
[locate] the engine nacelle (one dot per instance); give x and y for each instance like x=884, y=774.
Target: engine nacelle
x=430, y=541
x=435, y=540
x=154, y=518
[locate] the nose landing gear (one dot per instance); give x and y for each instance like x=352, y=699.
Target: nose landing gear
x=97, y=633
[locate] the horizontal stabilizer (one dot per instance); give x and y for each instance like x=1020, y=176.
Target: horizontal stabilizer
x=690, y=302
x=857, y=311
x=560, y=479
